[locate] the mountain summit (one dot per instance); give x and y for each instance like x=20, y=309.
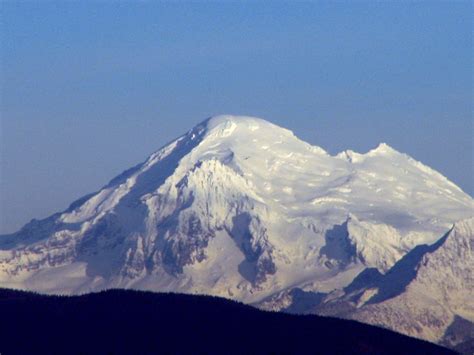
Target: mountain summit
x=241, y=208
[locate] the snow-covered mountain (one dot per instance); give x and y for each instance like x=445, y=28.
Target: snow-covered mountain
x=241, y=208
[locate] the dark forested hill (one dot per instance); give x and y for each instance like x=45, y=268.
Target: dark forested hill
x=131, y=322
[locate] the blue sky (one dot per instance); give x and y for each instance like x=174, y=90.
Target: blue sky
x=91, y=88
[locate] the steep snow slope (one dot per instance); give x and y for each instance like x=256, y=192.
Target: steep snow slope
x=241, y=208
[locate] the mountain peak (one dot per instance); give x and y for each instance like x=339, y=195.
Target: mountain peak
x=383, y=149
x=225, y=126
x=217, y=120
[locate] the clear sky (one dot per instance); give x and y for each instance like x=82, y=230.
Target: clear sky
x=89, y=89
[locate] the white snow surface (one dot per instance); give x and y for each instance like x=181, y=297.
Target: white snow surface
x=241, y=208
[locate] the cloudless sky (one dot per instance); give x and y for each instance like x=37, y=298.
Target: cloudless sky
x=89, y=89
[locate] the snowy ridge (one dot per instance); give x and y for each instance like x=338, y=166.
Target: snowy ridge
x=440, y=289
x=241, y=208
x=427, y=294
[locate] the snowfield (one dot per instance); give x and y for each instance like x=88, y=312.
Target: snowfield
x=241, y=208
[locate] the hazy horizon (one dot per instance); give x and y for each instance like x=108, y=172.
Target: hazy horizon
x=89, y=90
